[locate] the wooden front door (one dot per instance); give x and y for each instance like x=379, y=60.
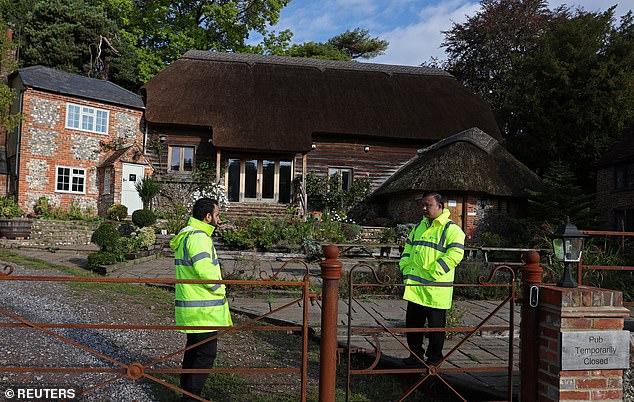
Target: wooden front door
x=455, y=205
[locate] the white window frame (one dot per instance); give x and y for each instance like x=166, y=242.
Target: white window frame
x=85, y=112
x=107, y=180
x=70, y=179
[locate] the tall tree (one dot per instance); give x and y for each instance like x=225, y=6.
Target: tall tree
x=559, y=82
x=573, y=95
x=72, y=35
x=482, y=50
x=165, y=29
x=8, y=120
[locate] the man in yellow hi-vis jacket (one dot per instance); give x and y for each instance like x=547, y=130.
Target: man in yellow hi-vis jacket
x=199, y=304
x=432, y=251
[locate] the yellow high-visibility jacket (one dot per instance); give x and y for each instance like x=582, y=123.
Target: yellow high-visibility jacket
x=195, y=258
x=431, y=254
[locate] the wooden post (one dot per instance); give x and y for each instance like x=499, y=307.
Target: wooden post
x=305, y=212
x=529, y=347
x=218, y=166
x=330, y=273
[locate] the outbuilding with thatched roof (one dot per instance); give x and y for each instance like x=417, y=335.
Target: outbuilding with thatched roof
x=471, y=169
x=263, y=120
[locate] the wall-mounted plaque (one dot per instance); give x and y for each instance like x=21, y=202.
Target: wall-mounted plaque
x=595, y=350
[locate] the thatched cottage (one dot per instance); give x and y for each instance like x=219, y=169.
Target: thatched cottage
x=264, y=120
x=470, y=169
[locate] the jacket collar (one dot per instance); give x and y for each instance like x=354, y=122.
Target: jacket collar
x=200, y=225
x=442, y=219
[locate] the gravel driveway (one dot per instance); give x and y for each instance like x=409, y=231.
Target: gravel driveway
x=53, y=302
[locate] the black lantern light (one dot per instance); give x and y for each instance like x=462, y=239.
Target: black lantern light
x=568, y=243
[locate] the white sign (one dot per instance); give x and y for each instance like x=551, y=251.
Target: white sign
x=452, y=203
x=595, y=350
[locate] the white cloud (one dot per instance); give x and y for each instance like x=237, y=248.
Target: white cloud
x=419, y=42
x=413, y=27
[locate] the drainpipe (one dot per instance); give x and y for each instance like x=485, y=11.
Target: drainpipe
x=144, y=136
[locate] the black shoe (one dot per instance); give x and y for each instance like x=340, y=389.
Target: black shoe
x=413, y=362
x=432, y=362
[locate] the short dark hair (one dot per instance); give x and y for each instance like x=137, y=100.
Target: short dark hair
x=204, y=206
x=436, y=196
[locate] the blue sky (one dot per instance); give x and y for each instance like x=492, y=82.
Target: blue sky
x=413, y=27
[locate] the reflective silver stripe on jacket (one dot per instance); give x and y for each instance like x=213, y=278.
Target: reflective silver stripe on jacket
x=455, y=245
x=440, y=245
x=188, y=262
x=200, y=303
x=425, y=281
x=444, y=265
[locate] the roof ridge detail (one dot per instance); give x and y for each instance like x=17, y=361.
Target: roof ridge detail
x=472, y=135
x=320, y=64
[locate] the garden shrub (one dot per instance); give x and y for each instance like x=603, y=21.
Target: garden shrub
x=329, y=231
x=176, y=219
x=387, y=236
x=107, y=238
x=118, y=212
x=96, y=260
x=351, y=231
x=148, y=188
x=42, y=206
x=126, y=229
x=143, y=218
x=9, y=208
x=145, y=237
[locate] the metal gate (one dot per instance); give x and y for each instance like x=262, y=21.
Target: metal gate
x=428, y=371
x=145, y=369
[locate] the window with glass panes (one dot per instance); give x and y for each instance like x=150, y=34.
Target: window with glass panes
x=86, y=118
x=181, y=158
x=70, y=180
x=345, y=176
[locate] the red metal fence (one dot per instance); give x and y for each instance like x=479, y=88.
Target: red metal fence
x=146, y=369
x=428, y=371
x=623, y=268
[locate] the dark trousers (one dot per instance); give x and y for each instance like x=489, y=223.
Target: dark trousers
x=201, y=357
x=416, y=317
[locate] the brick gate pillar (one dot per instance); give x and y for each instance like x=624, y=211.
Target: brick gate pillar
x=582, y=348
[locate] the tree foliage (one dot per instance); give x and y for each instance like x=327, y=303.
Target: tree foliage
x=129, y=41
x=8, y=120
x=358, y=44
x=561, y=197
x=73, y=35
x=573, y=95
x=347, y=46
x=560, y=82
x=484, y=49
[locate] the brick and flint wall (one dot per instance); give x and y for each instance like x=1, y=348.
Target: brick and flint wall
x=46, y=143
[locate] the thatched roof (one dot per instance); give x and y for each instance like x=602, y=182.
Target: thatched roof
x=277, y=103
x=61, y=82
x=470, y=161
x=621, y=151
